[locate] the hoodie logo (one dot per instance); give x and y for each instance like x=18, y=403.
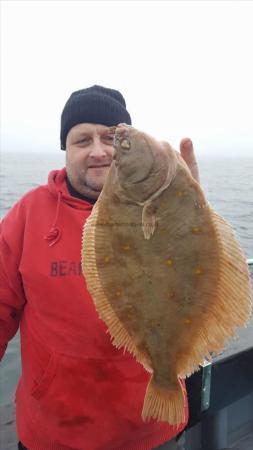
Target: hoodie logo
x=65, y=268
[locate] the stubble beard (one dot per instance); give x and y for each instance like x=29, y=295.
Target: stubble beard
x=91, y=186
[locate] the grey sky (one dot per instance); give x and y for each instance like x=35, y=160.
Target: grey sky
x=184, y=67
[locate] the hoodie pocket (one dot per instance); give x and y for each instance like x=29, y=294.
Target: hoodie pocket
x=72, y=390
x=60, y=389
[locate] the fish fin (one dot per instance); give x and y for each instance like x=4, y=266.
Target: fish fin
x=166, y=404
x=120, y=336
x=148, y=220
x=229, y=300
x=234, y=291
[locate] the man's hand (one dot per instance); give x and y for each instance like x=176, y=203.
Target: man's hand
x=187, y=153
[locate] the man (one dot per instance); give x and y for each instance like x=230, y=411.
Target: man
x=76, y=390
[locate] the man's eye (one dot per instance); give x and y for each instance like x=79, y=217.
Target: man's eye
x=82, y=141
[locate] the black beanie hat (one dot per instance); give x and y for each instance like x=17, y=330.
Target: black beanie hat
x=95, y=104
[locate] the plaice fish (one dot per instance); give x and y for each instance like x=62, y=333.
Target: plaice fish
x=165, y=271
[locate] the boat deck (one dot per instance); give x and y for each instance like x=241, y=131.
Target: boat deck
x=246, y=443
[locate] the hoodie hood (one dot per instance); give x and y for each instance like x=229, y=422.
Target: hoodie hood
x=57, y=186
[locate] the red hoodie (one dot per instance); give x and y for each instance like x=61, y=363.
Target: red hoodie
x=77, y=391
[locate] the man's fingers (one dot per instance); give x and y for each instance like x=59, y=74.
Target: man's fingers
x=187, y=153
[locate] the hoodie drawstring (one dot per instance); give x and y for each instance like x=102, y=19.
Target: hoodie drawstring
x=54, y=233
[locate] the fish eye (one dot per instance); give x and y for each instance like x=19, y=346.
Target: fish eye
x=125, y=143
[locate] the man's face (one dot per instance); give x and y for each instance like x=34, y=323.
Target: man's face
x=89, y=153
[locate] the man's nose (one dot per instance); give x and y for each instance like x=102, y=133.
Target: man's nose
x=97, y=149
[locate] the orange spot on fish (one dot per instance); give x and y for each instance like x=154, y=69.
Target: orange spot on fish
x=187, y=321
x=180, y=193
x=129, y=315
x=118, y=292
x=107, y=258
x=196, y=229
x=198, y=271
x=169, y=262
x=126, y=247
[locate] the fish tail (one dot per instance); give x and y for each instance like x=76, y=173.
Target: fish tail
x=165, y=404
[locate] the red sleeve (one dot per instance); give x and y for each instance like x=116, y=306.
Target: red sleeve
x=12, y=298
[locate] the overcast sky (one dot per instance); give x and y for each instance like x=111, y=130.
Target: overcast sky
x=184, y=67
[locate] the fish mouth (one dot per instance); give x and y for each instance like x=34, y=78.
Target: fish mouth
x=121, y=137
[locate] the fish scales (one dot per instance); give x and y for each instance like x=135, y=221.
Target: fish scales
x=165, y=271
